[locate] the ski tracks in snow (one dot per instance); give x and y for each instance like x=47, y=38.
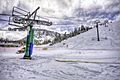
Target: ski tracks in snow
x=44, y=67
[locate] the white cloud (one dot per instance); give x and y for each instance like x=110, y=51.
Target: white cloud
x=80, y=9
x=7, y=5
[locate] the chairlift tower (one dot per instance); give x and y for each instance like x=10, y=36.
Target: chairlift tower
x=96, y=25
x=24, y=19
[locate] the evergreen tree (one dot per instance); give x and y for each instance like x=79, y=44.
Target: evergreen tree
x=82, y=28
x=75, y=32
x=65, y=36
x=79, y=30
x=87, y=28
x=46, y=41
x=59, y=38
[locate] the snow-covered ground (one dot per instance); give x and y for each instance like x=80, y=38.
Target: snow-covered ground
x=60, y=64
x=83, y=59
x=109, y=38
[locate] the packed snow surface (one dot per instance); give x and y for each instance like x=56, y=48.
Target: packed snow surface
x=60, y=64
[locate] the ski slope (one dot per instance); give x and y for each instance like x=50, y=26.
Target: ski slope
x=84, y=59
x=109, y=38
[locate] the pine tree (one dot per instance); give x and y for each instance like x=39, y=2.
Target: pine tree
x=75, y=32
x=82, y=28
x=87, y=28
x=65, y=36
x=79, y=30
x=59, y=38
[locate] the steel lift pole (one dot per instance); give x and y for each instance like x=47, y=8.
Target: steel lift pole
x=30, y=36
x=29, y=43
x=97, y=24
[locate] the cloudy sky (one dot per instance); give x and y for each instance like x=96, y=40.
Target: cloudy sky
x=85, y=10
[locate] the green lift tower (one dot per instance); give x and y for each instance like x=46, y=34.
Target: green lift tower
x=24, y=19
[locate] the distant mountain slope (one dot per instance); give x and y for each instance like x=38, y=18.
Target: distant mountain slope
x=109, y=38
x=13, y=35
x=39, y=34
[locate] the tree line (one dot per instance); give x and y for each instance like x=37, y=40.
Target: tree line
x=58, y=37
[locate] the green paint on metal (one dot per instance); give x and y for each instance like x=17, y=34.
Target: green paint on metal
x=27, y=47
x=28, y=41
x=31, y=35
